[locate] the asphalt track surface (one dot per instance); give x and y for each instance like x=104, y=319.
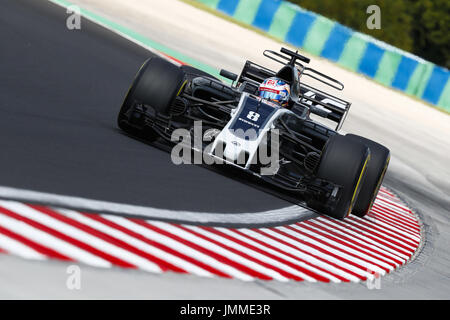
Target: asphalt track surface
x=59, y=94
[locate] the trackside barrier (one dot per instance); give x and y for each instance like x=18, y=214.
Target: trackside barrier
x=356, y=51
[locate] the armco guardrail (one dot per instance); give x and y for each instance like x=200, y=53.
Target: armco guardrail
x=361, y=53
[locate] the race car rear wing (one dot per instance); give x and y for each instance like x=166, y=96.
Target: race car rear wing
x=319, y=102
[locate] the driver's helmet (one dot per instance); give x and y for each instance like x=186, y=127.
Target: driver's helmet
x=275, y=90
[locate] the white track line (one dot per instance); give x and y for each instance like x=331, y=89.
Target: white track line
x=84, y=256
x=358, y=237
x=326, y=256
x=278, y=254
x=343, y=246
x=51, y=242
x=304, y=256
x=399, y=209
x=218, y=249
x=180, y=247
x=379, y=234
x=394, y=215
x=17, y=248
x=114, y=250
x=397, y=214
x=370, y=233
x=140, y=245
x=289, y=213
x=199, y=256
x=390, y=229
x=343, y=238
x=376, y=216
x=247, y=251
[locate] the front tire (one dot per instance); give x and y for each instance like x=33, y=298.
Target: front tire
x=343, y=162
x=156, y=84
x=376, y=169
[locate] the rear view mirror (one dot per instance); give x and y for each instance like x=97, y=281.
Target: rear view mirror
x=229, y=75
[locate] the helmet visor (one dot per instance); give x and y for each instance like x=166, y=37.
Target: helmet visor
x=270, y=95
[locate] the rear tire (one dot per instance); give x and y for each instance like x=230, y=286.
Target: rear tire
x=156, y=84
x=376, y=169
x=343, y=162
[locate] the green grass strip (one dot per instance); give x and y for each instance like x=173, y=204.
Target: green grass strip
x=210, y=3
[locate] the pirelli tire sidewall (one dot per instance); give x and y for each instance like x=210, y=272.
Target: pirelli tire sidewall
x=343, y=162
x=376, y=170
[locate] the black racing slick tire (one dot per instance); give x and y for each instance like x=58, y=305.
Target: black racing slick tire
x=343, y=162
x=376, y=170
x=156, y=84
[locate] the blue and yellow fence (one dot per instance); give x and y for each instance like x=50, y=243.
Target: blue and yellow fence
x=353, y=50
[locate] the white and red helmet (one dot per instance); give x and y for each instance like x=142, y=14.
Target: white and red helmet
x=275, y=90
